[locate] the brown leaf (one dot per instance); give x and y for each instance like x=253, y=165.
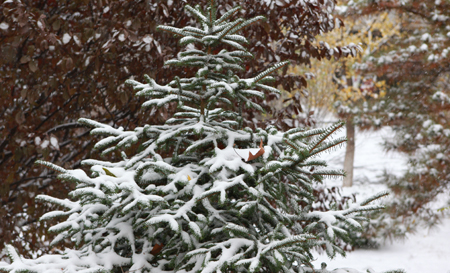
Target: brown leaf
x=25, y=59
x=68, y=64
x=22, y=20
x=33, y=66
x=258, y=154
x=56, y=24
x=44, y=45
x=156, y=249
x=20, y=117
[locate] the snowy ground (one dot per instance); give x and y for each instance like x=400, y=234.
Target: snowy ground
x=423, y=252
x=370, y=158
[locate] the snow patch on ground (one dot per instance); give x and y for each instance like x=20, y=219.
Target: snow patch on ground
x=371, y=160
x=425, y=251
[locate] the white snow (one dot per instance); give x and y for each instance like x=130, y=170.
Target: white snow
x=66, y=38
x=370, y=158
x=424, y=47
x=54, y=142
x=147, y=39
x=426, y=251
x=4, y=26
x=77, y=41
x=426, y=37
x=37, y=141
x=45, y=144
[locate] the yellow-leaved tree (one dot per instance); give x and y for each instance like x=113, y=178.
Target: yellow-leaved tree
x=337, y=89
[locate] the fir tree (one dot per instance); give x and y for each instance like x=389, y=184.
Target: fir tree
x=199, y=193
x=415, y=67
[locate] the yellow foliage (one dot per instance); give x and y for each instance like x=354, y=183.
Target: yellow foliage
x=371, y=32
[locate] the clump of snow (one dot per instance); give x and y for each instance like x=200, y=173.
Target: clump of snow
x=424, y=47
x=425, y=37
x=66, y=38
x=4, y=26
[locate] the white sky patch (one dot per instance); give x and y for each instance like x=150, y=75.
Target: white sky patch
x=121, y=37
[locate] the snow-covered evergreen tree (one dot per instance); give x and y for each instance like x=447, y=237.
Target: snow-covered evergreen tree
x=199, y=193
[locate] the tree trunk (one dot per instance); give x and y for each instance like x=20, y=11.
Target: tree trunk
x=349, y=153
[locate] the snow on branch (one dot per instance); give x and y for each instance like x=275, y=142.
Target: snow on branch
x=267, y=72
x=247, y=23
x=50, y=166
x=227, y=15
x=197, y=14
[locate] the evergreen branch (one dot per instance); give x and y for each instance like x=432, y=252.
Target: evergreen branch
x=268, y=88
x=290, y=143
x=249, y=22
x=322, y=163
x=90, y=123
x=329, y=173
x=229, y=28
x=297, y=133
x=227, y=15
x=50, y=166
x=288, y=241
x=375, y=197
x=65, y=203
x=172, y=30
x=195, y=31
x=92, y=162
x=212, y=12
x=270, y=70
x=191, y=52
x=328, y=132
x=234, y=44
x=196, y=13
x=236, y=229
x=236, y=38
x=329, y=145
x=185, y=41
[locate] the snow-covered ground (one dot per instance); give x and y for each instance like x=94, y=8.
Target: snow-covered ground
x=370, y=158
x=427, y=251
x=423, y=252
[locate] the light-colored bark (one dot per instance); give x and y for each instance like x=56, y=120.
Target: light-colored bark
x=349, y=153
